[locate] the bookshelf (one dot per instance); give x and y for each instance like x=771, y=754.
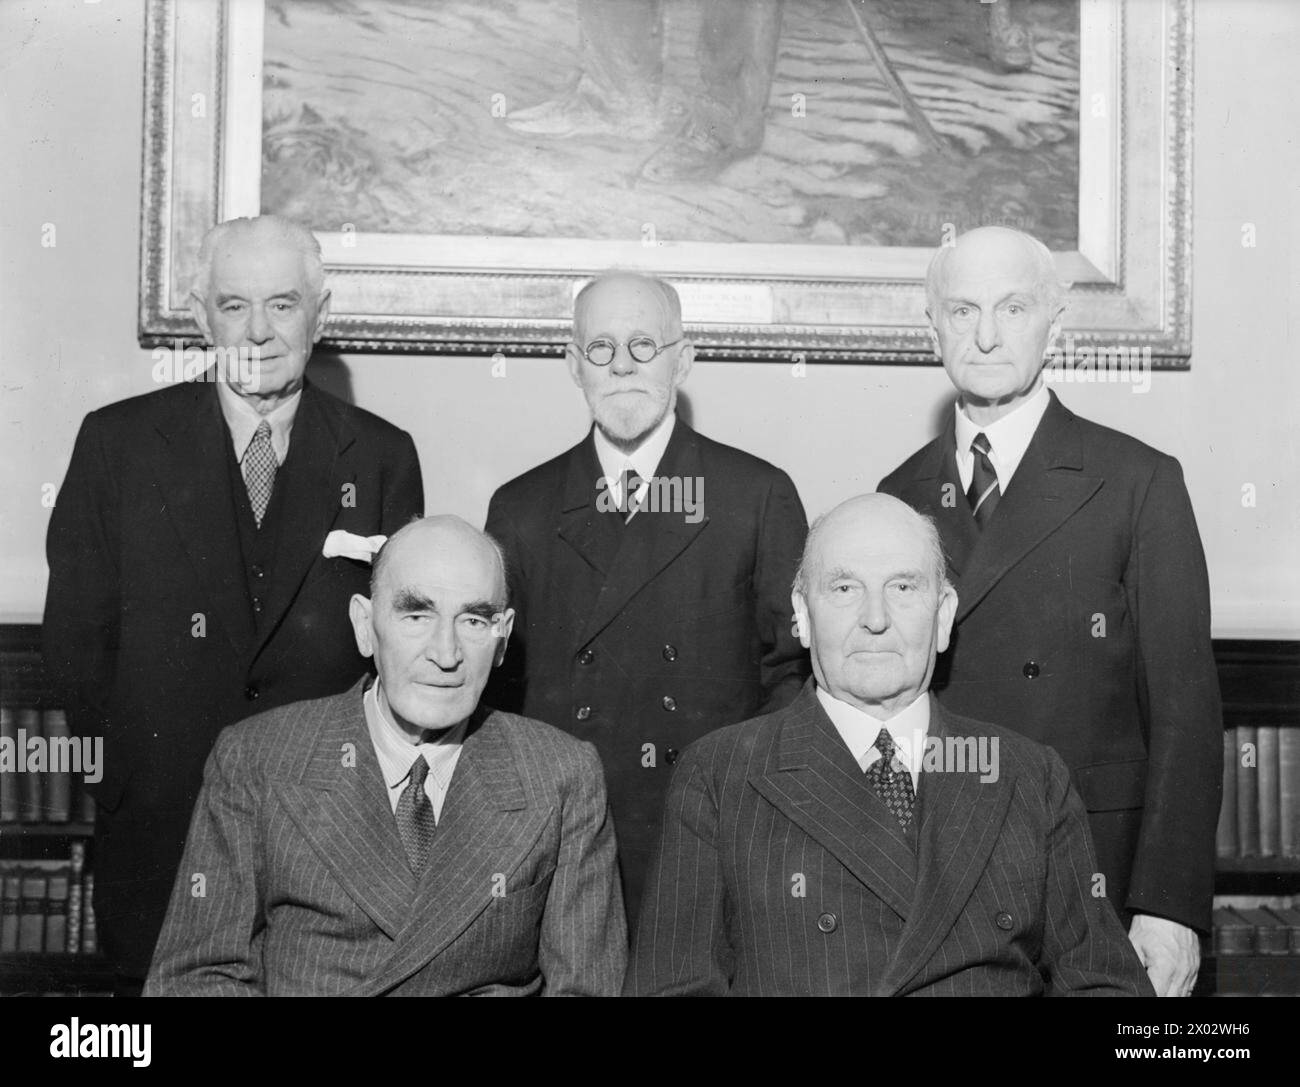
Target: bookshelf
x=1260, y=681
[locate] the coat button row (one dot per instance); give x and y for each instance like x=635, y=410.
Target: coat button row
x=1031, y=670
x=583, y=712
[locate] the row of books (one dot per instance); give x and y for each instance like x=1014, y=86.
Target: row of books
x=48, y=905
x=1265, y=930
x=42, y=770
x=1260, y=816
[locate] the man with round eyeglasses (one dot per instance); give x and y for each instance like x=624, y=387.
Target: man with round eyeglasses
x=649, y=566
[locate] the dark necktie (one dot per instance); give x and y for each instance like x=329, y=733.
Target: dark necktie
x=631, y=484
x=415, y=821
x=259, y=470
x=983, y=495
x=893, y=786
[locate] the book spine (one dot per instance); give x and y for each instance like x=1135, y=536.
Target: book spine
x=1270, y=802
x=29, y=727
x=31, y=911
x=10, y=888
x=89, y=939
x=58, y=777
x=76, y=872
x=56, y=911
x=8, y=781
x=1288, y=767
x=1247, y=758
x=1225, y=838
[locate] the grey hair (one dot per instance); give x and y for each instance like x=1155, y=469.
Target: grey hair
x=380, y=558
x=933, y=545
x=666, y=291
x=295, y=235
x=1049, y=284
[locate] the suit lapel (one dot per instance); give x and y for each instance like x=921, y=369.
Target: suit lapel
x=193, y=481
x=650, y=541
x=812, y=779
x=960, y=820
x=594, y=535
x=481, y=839
x=1046, y=491
x=341, y=807
x=317, y=444
x=937, y=490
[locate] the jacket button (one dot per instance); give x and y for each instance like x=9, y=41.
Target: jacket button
x=584, y=712
x=257, y=605
x=1003, y=921
x=1031, y=670
x=827, y=922
x=586, y=656
x=251, y=693
x=669, y=703
x=670, y=653
x=257, y=571
x=670, y=756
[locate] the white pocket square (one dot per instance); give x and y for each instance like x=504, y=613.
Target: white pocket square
x=340, y=544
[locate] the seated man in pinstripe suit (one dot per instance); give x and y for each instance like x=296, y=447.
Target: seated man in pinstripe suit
x=864, y=840
x=401, y=838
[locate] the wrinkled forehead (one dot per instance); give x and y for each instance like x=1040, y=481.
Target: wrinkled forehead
x=990, y=265
x=246, y=260
x=451, y=571
x=624, y=304
x=872, y=546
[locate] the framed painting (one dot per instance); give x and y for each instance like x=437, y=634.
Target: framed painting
x=789, y=165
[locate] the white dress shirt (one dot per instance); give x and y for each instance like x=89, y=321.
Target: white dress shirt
x=242, y=420
x=644, y=460
x=397, y=751
x=859, y=730
x=1009, y=437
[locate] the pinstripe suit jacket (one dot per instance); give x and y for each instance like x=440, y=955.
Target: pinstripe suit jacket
x=306, y=889
x=780, y=873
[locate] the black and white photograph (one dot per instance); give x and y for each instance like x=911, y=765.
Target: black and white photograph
x=633, y=498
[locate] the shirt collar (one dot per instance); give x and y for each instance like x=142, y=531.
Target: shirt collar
x=859, y=730
x=645, y=458
x=1008, y=437
x=242, y=420
x=393, y=747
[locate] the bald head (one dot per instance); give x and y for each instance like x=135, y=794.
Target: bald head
x=440, y=538
x=623, y=291
x=872, y=515
x=261, y=233
x=994, y=251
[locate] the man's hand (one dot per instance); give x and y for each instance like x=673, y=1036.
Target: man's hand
x=1170, y=952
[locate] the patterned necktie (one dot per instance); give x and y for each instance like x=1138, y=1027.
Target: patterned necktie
x=893, y=786
x=983, y=494
x=631, y=484
x=259, y=470
x=415, y=821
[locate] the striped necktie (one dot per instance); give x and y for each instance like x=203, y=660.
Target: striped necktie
x=983, y=494
x=259, y=470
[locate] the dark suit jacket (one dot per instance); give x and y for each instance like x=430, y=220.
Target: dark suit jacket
x=781, y=873
x=307, y=890
x=149, y=631
x=642, y=637
x=1084, y=623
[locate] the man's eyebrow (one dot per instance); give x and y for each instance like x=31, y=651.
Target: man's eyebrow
x=412, y=600
x=484, y=609
x=834, y=573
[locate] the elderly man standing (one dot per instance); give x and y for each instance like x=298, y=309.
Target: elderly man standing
x=1085, y=608
x=650, y=566
x=864, y=840
x=402, y=839
x=188, y=585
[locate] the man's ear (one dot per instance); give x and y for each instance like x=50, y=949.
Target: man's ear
x=359, y=611
x=507, y=624
x=947, y=612
x=322, y=315
x=575, y=360
x=802, y=626
x=199, y=311
x=685, y=360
